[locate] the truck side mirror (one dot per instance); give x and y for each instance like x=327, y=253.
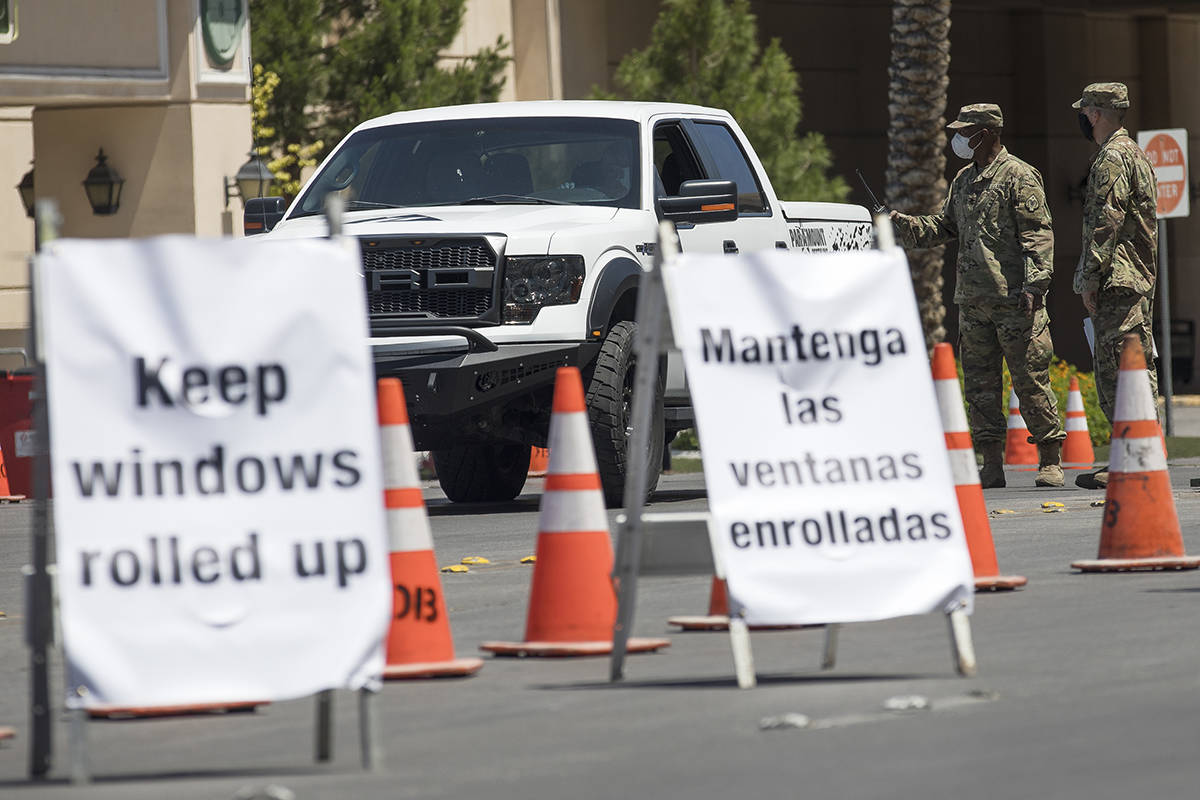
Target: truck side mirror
x=262, y=214
x=701, y=201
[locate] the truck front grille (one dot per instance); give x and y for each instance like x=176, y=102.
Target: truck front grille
x=442, y=304
x=426, y=278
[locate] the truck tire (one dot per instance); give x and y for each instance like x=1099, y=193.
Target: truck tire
x=482, y=472
x=610, y=408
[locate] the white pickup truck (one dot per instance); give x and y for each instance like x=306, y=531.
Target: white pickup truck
x=501, y=241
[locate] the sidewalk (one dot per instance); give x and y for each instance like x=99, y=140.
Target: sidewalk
x=1185, y=414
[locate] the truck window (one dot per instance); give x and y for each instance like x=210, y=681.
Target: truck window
x=732, y=165
x=673, y=158
x=577, y=160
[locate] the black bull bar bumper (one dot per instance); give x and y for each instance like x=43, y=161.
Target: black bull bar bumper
x=444, y=385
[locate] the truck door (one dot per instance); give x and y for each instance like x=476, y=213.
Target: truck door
x=693, y=149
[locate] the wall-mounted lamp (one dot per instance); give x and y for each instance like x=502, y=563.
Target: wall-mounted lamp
x=103, y=186
x=25, y=189
x=253, y=179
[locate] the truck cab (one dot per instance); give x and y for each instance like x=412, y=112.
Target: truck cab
x=501, y=241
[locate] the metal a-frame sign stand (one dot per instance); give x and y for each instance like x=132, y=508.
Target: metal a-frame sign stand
x=39, y=589
x=682, y=543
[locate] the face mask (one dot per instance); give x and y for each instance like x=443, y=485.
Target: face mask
x=961, y=146
x=1085, y=127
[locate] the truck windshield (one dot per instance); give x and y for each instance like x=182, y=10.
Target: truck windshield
x=578, y=160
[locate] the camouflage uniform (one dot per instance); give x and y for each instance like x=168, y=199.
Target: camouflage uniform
x=1120, y=245
x=1005, y=247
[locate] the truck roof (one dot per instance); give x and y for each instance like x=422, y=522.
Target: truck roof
x=637, y=111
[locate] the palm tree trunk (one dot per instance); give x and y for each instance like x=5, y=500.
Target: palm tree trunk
x=916, y=182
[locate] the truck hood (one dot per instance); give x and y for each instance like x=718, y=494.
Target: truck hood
x=527, y=227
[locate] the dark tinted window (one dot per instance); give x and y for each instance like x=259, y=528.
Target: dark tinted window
x=732, y=165
x=580, y=160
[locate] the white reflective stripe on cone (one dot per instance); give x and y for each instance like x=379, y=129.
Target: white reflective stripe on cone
x=567, y=510
x=963, y=467
x=1016, y=421
x=1075, y=402
x=570, y=445
x=1134, y=400
x=1077, y=424
x=954, y=418
x=399, y=460
x=1137, y=455
x=408, y=530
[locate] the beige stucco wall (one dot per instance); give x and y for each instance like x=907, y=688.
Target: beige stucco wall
x=134, y=78
x=16, y=233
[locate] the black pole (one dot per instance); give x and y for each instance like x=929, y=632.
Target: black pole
x=40, y=620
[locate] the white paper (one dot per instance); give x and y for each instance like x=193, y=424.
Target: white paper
x=196, y=489
x=825, y=461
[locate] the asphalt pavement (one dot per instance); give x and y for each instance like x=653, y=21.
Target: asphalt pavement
x=1087, y=688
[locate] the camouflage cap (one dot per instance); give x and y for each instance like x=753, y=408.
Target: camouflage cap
x=986, y=114
x=1103, y=95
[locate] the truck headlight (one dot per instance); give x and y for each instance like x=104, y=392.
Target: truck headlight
x=531, y=282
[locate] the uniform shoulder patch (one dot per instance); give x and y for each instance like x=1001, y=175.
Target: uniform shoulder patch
x=1032, y=203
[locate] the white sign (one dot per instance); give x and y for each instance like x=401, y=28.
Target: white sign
x=216, y=468
x=1168, y=149
x=824, y=457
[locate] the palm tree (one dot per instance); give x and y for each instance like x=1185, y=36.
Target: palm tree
x=916, y=166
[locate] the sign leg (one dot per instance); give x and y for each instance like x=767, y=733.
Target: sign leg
x=81, y=772
x=962, y=646
x=368, y=730
x=324, y=726
x=1165, y=377
x=829, y=651
x=743, y=658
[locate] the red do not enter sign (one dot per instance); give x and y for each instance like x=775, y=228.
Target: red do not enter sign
x=1168, y=153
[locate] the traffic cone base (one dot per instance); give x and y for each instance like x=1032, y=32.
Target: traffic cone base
x=563, y=649
x=979, y=543
x=717, y=618
x=453, y=668
x=134, y=712
x=1140, y=528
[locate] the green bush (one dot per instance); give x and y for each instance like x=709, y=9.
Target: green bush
x=686, y=440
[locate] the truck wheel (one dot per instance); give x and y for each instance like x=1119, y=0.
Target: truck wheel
x=482, y=472
x=610, y=410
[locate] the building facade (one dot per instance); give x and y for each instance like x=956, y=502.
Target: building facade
x=139, y=79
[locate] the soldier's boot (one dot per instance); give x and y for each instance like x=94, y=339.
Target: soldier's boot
x=991, y=475
x=1050, y=471
x=1093, y=480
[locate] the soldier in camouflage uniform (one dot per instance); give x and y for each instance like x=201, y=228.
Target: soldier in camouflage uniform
x=997, y=211
x=1118, y=268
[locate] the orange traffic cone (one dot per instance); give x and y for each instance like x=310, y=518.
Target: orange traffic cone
x=572, y=604
x=1140, y=530
x=6, y=495
x=966, y=475
x=1077, y=450
x=717, y=618
x=539, y=461
x=1018, y=450
x=418, y=642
